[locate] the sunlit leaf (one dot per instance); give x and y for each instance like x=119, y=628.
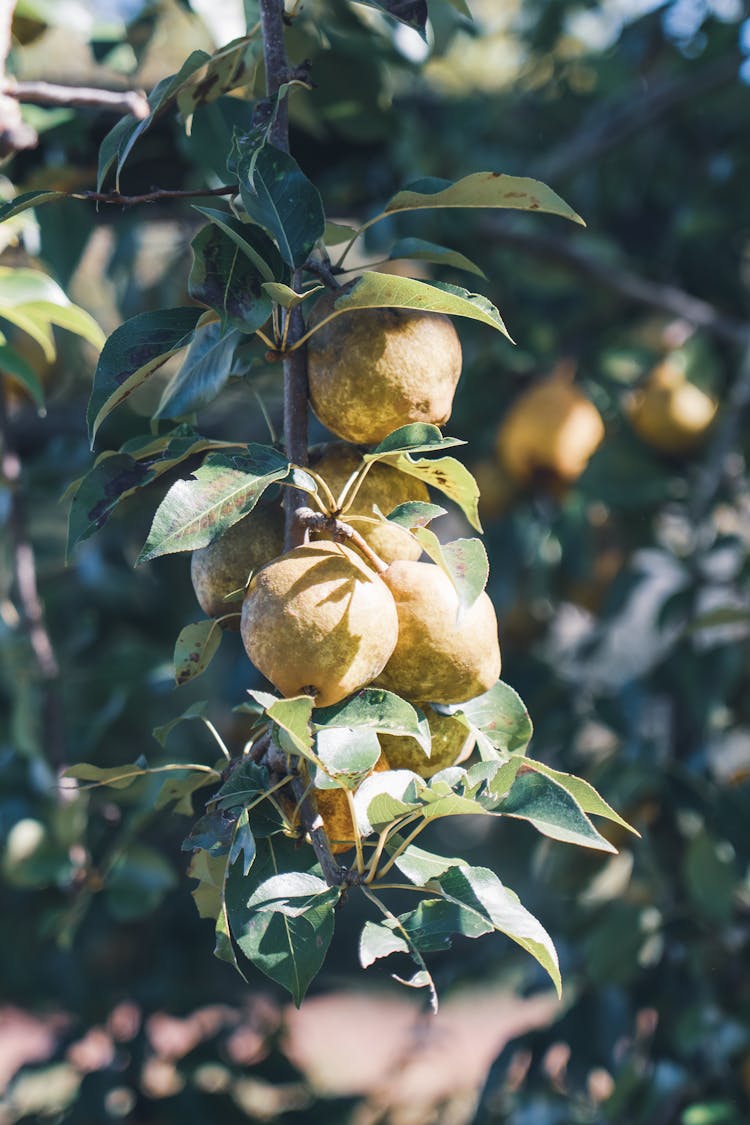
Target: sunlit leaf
x=552, y=811
x=464, y=561
x=482, y=189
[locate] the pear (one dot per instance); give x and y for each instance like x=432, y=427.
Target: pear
x=670, y=413
x=223, y=567
x=333, y=806
x=550, y=431
x=384, y=488
x=317, y=621
x=435, y=659
x=374, y=370
x=452, y=743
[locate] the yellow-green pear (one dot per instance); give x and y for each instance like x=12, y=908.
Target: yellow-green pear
x=384, y=488
x=374, y=370
x=452, y=742
x=224, y=566
x=670, y=413
x=435, y=659
x=550, y=432
x=317, y=621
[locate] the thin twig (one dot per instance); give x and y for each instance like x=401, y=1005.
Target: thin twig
x=133, y=102
x=621, y=280
x=29, y=603
x=153, y=196
x=340, y=532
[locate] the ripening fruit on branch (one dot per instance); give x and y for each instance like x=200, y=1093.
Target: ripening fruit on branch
x=333, y=806
x=451, y=743
x=669, y=412
x=223, y=567
x=436, y=660
x=550, y=431
x=317, y=621
x=374, y=370
x=384, y=488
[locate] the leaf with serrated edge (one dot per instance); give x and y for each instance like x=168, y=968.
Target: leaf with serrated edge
x=479, y=890
x=552, y=811
x=465, y=563
x=389, y=291
x=417, y=249
x=132, y=353
x=223, y=490
x=587, y=797
x=482, y=189
x=194, y=650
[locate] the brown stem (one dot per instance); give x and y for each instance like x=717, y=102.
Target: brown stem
x=132, y=102
x=29, y=603
x=310, y=819
x=295, y=421
x=341, y=532
x=153, y=196
x=277, y=66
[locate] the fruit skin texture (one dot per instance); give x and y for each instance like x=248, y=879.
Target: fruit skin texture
x=374, y=370
x=317, y=621
x=670, y=413
x=435, y=660
x=384, y=487
x=333, y=806
x=224, y=565
x=551, y=430
x=452, y=742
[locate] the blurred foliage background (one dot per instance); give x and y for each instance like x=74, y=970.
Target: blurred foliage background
x=623, y=599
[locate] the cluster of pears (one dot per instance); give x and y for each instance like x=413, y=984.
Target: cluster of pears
x=325, y=620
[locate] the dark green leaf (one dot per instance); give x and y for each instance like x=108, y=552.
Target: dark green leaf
x=413, y=13
x=418, y=437
x=194, y=649
x=584, y=793
x=289, y=950
x=243, y=843
x=246, y=782
x=223, y=490
x=253, y=242
x=552, y=811
x=213, y=833
x=419, y=250
x=28, y=199
x=211, y=360
x=181, y=790
x=415, y=513
x=225, y=279
x=133, y=352
x=279, y=197
x=197, y=710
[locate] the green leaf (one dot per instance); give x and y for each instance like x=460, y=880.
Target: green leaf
x=347, y=754
x=116, y=476
x=418, y=249
x=226, y=280
x=133, y=352
x=500, y=715
x=415, y=513
x=291, y=717
x=418, y=865
x=446, y=474
x=279, y=197
x=481, y=894
x=243, y=843
x=70, y=317
x=181, y=790
x=213, y=833
x=11, y=363
x=116, y=777
x=27, y=200
x=209, y=871
x=229, y=68
x=336, y=233
x=254, y=243
x=377, y=709
x=138, y=881
x=287, y=297
x=711, y=879
x=196, y=710
x=381, y=290
x=210, y=361
x=378, y=940
x=34, y=302
x=223, y=490
x=383, y=797
x=482, y=189
x=413, y=13
x=464, y=561
x=552, y=811
x=582, y=792
x=288, y=949
x=418, y=437
x=194, y=650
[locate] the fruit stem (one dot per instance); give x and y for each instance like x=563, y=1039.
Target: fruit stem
x=340, y=532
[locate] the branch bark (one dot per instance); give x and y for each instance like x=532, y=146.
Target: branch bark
x=125, y=102
x=153, y=196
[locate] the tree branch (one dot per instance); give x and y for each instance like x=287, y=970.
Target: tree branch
x=341, y=532
x=667, y=298
x=153, y=196
x=133, y=102
x=29, y=603
x=277, y=66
